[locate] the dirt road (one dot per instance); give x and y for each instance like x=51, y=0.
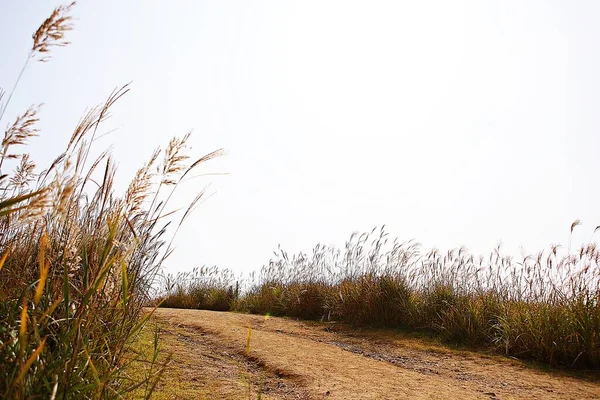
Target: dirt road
x=288, y=359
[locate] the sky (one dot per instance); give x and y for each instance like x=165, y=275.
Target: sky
x=453, y=123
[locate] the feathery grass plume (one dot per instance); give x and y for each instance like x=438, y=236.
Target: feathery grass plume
x=139, y=188
x=575, y=224
x=207, y=157
x=174, y=159
x=20, y=132
x=24, y=173
x=51, y=32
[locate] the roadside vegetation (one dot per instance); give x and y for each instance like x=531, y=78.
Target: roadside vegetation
x=77, y=260
x=543, y=307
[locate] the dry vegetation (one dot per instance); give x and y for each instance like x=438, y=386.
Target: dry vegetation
x=203, y=288
x=543, y=307
x=77, y=261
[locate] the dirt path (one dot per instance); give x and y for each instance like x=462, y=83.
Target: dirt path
x=299, y=360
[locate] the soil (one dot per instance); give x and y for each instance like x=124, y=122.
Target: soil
x=230, y=355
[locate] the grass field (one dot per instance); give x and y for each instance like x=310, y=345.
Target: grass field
x=544, y=307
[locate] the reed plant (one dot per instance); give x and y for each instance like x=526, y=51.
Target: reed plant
x=543, y=307
x=77, y=260
x=207, y=288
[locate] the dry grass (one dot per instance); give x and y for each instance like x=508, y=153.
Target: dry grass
x=77, y=261
x=202, y=288
x=543, y=307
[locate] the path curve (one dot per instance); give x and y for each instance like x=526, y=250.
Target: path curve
x=335, y=362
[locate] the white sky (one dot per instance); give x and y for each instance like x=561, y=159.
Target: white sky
x=455, y=123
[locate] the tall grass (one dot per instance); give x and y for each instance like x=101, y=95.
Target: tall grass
x=207, y=288
x=543, y=307
x=77, y=261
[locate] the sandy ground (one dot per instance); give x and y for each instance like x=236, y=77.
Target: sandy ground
x=288, y=359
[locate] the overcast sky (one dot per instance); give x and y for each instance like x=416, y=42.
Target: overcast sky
x=454, y=123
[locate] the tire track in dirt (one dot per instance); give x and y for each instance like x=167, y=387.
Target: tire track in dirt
x=341, y=363
x=214, y=369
